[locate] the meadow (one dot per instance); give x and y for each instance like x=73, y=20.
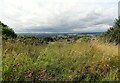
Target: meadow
x=60, y=61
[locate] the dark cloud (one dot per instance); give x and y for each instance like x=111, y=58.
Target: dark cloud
x=63, y=24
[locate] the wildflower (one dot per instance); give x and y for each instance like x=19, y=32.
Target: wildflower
x=49, y=78
x=30, y=75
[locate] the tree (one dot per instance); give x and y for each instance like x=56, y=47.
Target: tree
x=6, y=31
x=113, y=34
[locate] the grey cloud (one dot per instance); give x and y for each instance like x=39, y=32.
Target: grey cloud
x=51, y=17
x=65, y=25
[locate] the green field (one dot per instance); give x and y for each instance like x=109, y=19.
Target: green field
x=60, y=61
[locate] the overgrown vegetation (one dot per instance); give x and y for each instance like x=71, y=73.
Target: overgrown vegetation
x=64, y=58
x=60, y=61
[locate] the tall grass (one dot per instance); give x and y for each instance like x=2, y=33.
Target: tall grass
x=60, y=61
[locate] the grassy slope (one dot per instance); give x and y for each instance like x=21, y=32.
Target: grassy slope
x=81, y=61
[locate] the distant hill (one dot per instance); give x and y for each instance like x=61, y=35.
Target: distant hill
x=59, y=34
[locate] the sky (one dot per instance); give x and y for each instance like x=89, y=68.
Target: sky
x=46, y=16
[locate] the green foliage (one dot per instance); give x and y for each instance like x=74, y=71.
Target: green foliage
x=84, y=39
x=56, y=58
x=113, y=34
x=58, y=61
x=6, y=31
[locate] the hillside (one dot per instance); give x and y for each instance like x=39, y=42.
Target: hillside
x=42, y=59
x=60, y=61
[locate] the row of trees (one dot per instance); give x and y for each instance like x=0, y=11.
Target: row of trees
x=113, y=34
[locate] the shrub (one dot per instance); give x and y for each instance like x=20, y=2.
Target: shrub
x=112, y=35
x=6, y=31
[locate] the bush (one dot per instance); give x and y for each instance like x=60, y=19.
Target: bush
x=112, y=35
x=6, y=31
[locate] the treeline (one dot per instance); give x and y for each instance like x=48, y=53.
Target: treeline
x=45, y=40
x=112, y=35
x=9, y=34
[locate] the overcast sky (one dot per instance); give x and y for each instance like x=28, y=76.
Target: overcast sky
x=58, y=15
